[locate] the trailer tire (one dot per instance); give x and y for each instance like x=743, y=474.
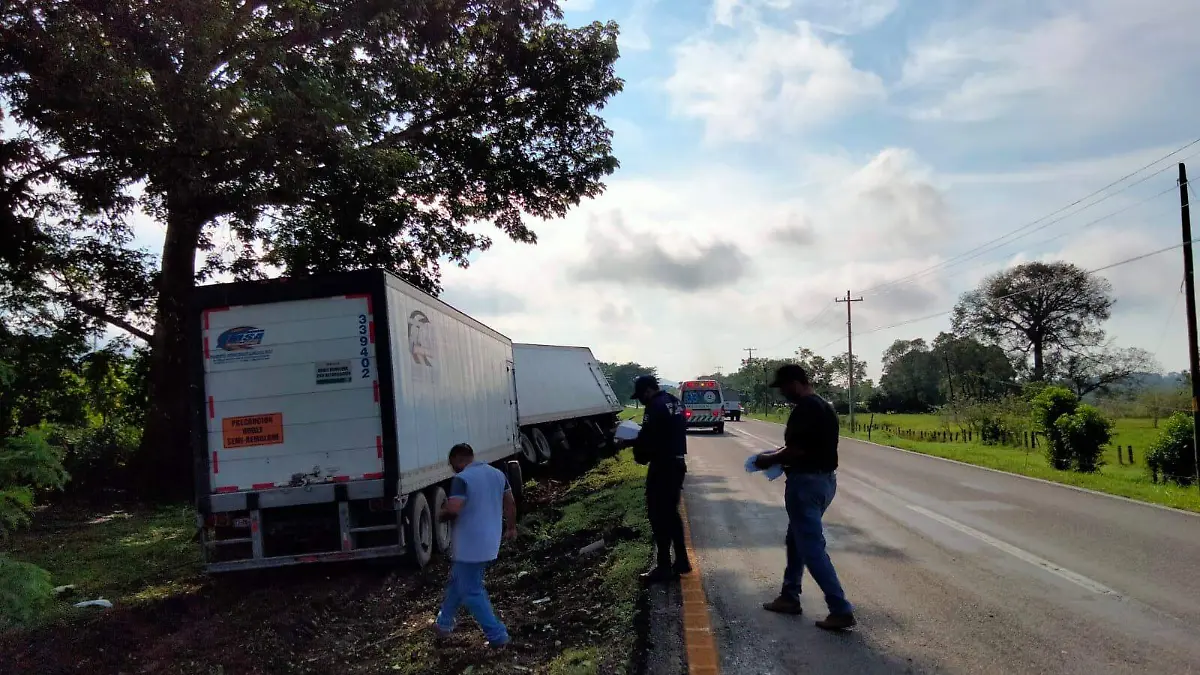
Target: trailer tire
x=720, y=428
x=516, y=481
x=529, y=451
x=542, y=445
x=441, y=530
x=420, y=530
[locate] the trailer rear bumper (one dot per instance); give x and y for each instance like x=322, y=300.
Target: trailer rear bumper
x=288, y=560
x=318, y=493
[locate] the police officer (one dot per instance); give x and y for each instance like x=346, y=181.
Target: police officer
x=662, y=444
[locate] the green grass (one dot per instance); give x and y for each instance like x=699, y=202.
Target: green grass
x=123, y=556
x=576, y=662
x=1115, y=478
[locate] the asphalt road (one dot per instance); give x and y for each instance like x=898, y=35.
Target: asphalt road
x=951, y=568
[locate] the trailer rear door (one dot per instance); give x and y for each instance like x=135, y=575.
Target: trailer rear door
x=292, y=391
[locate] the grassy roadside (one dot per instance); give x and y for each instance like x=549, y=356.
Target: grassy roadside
x=569, y=614
x=1113, y=478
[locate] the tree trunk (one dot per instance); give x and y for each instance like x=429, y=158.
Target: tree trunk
x=1039, y=369
x=165, y=466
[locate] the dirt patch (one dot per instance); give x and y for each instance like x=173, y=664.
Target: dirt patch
x=565, y=613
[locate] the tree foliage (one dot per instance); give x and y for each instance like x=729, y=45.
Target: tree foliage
x=312, y=137
x=620, y=377
x=919, y=378
x=1037, y=309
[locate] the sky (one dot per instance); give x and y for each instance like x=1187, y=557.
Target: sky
x=778, y=153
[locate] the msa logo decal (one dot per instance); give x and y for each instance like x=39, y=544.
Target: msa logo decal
x=242, y=337
x=241, y=345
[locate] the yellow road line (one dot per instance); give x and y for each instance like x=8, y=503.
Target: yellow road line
x=697, y=630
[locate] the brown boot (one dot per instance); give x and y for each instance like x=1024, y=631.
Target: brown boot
x=784, y=605
x=837, y=622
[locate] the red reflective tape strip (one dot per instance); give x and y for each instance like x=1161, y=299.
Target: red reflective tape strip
x=379, y=446
x=215, y=463
x=376, y=387
x=205, y=315
x=231, y=488
x=206, y=347
x=367, y=297
x=373, y=476
x=263, y=486
x=212, y=408
x=371, y=329
x=341, y=479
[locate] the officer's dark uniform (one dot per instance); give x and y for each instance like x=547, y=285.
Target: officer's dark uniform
x=662, y=443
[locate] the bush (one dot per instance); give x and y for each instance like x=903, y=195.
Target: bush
x=1172, y=455
x=96, y=457
x=1083, y=435
x=28, y=463
x=25, y=591
x=1048, y=406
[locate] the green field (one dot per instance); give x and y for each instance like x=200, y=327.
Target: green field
x=1132, y=481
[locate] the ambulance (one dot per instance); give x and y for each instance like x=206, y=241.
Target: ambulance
x=703, y=405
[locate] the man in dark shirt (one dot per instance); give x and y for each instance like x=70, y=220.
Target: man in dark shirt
x=810, y=459
x=662, y=444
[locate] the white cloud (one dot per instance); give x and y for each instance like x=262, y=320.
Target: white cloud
x=1089, y=63
x=843, y=17
x=775, y=81
x=635, y=32
x=576, y=5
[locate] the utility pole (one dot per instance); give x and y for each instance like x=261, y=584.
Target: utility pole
x=849, y=351
x=1190, y=291
x=750, y=362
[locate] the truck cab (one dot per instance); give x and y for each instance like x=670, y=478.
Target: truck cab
x=703, y=405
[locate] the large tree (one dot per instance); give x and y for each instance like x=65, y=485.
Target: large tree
x=1036, y=309
x=309, y=136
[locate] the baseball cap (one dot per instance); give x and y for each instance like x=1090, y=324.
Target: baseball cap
x=644, y=382
x=789, y=373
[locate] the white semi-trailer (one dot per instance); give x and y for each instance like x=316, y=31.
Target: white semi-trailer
x=325, y=410
x=566, y=408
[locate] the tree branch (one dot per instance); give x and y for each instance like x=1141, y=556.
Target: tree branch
x=97, y=312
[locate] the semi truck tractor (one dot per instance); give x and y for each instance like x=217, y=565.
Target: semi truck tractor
x=566, y=409
x=325, y=408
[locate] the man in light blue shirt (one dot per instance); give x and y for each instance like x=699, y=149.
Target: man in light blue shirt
x=483, y=510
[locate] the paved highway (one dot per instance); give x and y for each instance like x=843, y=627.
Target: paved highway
x=952, y=569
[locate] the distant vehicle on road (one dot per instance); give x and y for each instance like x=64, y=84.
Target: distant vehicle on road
x=703, y=404
x=733, y=405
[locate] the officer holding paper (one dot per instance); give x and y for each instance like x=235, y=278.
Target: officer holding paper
x=662, y=444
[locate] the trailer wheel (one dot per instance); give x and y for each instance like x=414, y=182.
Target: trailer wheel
x=420, y=530
x=541, y=444
x=529, y=451
x=441, y=530
x=720, y=428
x=516, y=481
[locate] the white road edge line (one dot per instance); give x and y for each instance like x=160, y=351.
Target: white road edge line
x=1160, y=507
x=1021, y=554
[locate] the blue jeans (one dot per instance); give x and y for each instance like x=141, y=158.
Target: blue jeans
x=466, y=588
x=806, y=497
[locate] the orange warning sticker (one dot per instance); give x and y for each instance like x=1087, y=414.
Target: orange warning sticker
x=251, y=430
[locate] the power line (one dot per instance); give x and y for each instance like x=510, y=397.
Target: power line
x=983, y=248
